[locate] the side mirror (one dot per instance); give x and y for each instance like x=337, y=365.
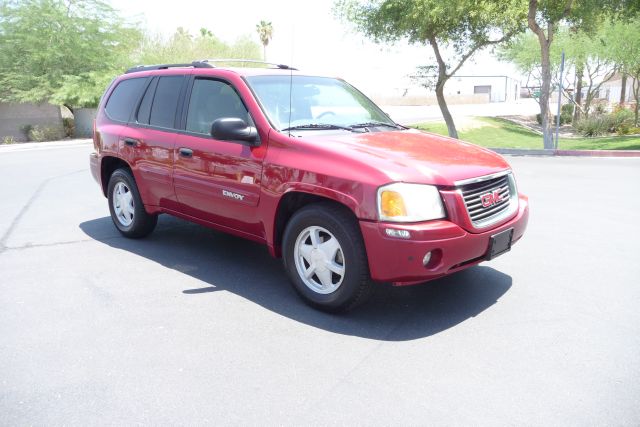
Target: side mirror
x=234, y=129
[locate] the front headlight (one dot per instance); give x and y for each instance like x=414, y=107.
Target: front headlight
x=402, y=202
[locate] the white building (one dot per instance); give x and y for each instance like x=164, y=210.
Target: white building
x=499, y=88
x=462, y=89
x=612, y=89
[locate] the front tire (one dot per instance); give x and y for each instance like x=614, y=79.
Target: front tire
x=325, y=258
x=127, y=211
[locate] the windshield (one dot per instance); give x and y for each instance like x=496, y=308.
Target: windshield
x=316, y=103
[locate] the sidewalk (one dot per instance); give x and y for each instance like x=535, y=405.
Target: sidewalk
x=24, y=146
x=572, y=153
x=8, y=148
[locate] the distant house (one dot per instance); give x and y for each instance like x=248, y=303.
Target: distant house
x=611, y=90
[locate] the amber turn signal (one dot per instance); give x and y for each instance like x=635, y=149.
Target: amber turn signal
x=392, y=204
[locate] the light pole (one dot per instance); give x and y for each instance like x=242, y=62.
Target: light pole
x=559, y=100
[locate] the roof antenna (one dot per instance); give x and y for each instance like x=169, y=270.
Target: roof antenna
x=291, y=74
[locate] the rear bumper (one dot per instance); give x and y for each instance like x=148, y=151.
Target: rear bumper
x=397, y=260
x=94, y=165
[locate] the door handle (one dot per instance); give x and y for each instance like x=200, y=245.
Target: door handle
x=186, y=152
x=131, y=142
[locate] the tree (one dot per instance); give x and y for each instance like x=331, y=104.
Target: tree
x=585, y=53
x=524, y=52
x=45, y=42
x=205, y=32
x=83, y=90
x=543, y=19
x=623, y=47
x=265, y=32
x=183, y=47
x=463, y=26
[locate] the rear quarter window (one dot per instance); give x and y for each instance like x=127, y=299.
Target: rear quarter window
x=123, y=99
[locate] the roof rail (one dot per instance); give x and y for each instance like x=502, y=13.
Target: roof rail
x=194, y=64
x=250, y=61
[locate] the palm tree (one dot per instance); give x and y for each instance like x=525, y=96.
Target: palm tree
x=265, y=32
x=205, y=32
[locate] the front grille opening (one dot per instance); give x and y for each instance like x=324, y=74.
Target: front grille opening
x=488, y=200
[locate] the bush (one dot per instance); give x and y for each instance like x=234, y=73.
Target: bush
x=26, y=129
x=41, y=134
x=8, y=139
x=564, y=119
x=600, y=108
x=567, y=108
x=619, y=121
x=594, y=125
x=69, y=126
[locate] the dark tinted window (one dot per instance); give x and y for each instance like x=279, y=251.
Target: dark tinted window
x=211, y=100
x=165, y=101
x=123, y=98
x=145, y=106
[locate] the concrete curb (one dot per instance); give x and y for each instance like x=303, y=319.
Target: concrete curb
x=576, y=153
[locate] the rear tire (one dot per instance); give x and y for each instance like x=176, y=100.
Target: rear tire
x=127, y=211
x=325, y=258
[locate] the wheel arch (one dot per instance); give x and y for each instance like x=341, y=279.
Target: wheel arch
x=295, y=199
x=108, y=165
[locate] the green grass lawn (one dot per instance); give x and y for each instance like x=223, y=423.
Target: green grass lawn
x=499, y=133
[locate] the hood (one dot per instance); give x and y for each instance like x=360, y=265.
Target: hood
x=412, y=155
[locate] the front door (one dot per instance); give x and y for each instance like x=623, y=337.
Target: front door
x=217, y=181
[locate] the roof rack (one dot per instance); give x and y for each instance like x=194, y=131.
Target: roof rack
x=250, y=61
x=194, y=64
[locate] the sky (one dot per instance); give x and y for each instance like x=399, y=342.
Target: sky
x=306, y=35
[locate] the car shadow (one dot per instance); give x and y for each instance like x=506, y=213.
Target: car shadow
x=224, y=262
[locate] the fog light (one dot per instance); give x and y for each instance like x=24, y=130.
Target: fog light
x=426, y=259
x=402, y=234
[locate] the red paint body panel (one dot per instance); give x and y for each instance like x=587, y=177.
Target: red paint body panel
x=342, y=166
x=151, y=161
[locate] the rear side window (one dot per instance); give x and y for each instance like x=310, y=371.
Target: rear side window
x=211, y=100
x=165, y=101
x=123, y=99
x=145, y=106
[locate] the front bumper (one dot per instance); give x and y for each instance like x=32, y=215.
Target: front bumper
x=397, y=260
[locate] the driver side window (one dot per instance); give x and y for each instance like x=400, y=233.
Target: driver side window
x=211, y=100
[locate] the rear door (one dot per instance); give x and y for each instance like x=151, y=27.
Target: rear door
x=112, y=121
x=218, y=181
x=149, y=141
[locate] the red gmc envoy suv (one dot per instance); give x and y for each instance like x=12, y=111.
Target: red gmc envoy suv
x=307, y=165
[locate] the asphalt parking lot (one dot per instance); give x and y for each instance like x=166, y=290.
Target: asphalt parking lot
x=191, y=326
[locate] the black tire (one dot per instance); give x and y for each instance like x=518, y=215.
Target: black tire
x=142, y=223
x=356, y=285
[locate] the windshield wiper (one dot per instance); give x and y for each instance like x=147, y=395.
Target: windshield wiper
x=321, y=126
x=377, y=124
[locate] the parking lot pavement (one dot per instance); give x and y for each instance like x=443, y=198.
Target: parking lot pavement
x=192, y=326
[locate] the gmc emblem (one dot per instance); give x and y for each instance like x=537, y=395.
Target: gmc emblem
x=490, y=199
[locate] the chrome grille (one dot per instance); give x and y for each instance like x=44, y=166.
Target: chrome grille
x=472, y=194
